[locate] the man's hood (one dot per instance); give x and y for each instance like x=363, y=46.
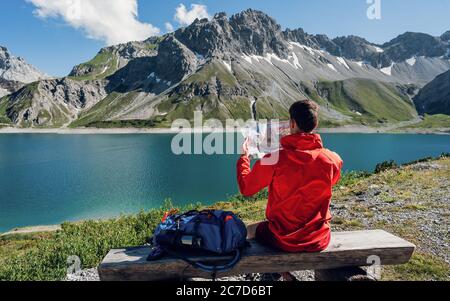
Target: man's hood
x=302, y=148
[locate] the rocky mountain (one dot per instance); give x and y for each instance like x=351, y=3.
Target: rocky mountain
x=434, y=98
x=413, y=44
x=405, y=47
x=9, y=86
x=446, y=37
x=227, y=67
x=53, y=102
x=15, y=71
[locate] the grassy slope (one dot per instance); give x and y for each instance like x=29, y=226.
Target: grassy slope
x=433, y=122
x=211, y=72
x=100, y=111
x=102, y=65
x=43, y=256
x=22, y=102
x=377, y=102
x=3, y=107
x=106, y=62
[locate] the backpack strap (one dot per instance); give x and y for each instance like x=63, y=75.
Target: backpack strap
x=213, y=269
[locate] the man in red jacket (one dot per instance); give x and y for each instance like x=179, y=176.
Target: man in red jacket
x=300, y=186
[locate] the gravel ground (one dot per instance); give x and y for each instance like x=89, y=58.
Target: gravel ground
x=92, y=275
x=85, y=275
x=418, y=205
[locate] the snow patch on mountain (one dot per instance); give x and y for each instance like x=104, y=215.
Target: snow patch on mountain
x=411, y=61
x=311, y=51
x=247, y=58
x=342, y=61
x=387, y=70
x=3, y=92
x=295, y=61
x=228, y=66
x=331, y=66
x=378, y=49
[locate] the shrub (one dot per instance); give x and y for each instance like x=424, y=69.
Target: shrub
x=350, y=178
x=387, y=165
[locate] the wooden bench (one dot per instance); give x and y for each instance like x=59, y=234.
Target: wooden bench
x=348, y=251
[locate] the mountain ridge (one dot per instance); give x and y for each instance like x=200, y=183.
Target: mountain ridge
x=16, y=72
x=224, y=65
x=434, y=98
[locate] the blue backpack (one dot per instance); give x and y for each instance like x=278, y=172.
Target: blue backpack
x=211, y=231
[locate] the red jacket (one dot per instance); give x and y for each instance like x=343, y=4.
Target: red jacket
x=300, y=190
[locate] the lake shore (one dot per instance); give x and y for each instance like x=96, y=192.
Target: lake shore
x=32, y=230
x=356, y=129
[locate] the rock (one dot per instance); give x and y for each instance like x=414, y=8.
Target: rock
x=426, y=166
x=434, y=98
x=53, y=102
x=9, y=86
x=16, y=69
x=299, y=275
x=84, y=275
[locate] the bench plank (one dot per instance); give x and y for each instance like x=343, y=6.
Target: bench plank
x=347, y=249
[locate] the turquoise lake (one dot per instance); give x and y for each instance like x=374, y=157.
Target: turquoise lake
x=49, y=179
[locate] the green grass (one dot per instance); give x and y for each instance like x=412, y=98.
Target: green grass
x=328, y=124
x=216, y=70
x=105, y=109
x=102, y=65
x=90, y=241
x=377, y=102
x=22, y=101
x=432, y=122
x=421, y=267
x=239, y=108
x=353, y=177
x=115, y=124
x=268, y=108
x=353, y=223
x=3, y=107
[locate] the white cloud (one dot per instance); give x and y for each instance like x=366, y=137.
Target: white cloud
x=111, y=21
x=169, y=27
x=185, y=17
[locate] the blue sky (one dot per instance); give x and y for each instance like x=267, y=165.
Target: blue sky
x=55, y=46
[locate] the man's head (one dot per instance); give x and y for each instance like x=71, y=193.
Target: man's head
x=304, y=116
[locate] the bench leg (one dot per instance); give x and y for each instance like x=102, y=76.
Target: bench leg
x=343, y=274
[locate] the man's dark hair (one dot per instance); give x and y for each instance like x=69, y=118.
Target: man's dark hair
x=306, y=114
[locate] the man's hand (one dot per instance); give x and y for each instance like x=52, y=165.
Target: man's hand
x=245, y=152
